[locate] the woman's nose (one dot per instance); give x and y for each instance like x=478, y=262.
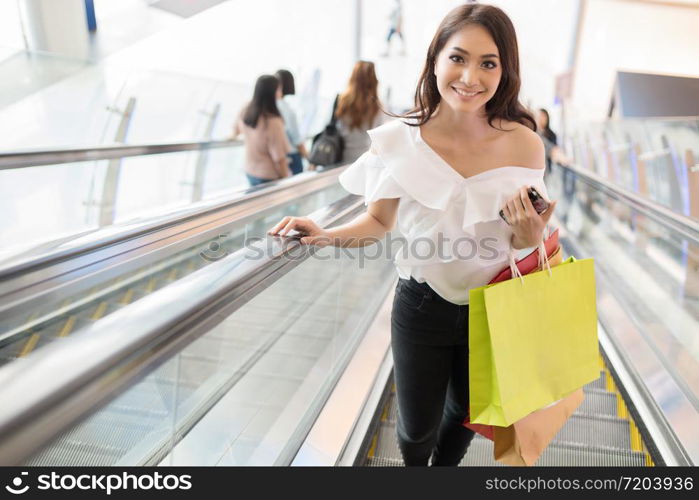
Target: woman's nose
x=469, y=77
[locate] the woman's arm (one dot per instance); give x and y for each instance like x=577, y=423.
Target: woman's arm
x=282, y=167
x=368, y=227
x=302, y=149
x=365, y=229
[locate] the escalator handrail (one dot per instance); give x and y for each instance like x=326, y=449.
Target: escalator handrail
x=55, y=387
x=684, y=225
x=41, y=157
x=115, y=234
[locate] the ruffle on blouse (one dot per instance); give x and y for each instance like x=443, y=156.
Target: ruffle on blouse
x=368, y=177
x=401, y=165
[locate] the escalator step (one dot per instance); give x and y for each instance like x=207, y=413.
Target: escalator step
x=596, y=430
x=600, y=383
x=69, y=453
x=480, y=453
x=100, y=440
x=383, y=462
x=584, y=455
x=599, y=403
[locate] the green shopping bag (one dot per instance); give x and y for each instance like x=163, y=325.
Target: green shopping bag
x=532, y=341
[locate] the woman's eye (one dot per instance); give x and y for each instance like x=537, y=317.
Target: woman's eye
x=490, y=64
x=457, y=59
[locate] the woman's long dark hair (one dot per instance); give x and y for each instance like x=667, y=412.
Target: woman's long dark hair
x=505, y=103
x=287, y=81
x=264, y=102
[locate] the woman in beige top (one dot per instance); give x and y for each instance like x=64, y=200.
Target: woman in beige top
x=266, y=145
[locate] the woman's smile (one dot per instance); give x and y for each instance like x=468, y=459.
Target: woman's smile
x=466, y=95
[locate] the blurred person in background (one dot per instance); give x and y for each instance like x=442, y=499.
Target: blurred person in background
x=395, y=28
x=359, y=110
x=554, y=152
x=551, y=141
x=287, y=88
x=262, y=126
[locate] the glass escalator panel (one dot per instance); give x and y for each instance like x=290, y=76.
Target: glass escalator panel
x=40, y=325
x=647, y=156
x=78, y=198
x=652, y=272
x=248, y=390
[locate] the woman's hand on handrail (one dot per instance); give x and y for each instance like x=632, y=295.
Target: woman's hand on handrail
x=311, y=233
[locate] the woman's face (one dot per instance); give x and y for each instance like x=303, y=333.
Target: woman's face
x=542, y=120
x=468, y=69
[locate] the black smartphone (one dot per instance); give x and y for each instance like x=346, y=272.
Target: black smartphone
x=540, y=204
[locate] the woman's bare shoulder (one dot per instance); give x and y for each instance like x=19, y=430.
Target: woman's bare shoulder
x=524, y=145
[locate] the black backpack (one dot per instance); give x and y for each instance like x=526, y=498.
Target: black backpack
x=327, y=146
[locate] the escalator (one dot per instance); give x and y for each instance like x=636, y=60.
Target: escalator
x=600, y=433
x=282, y=357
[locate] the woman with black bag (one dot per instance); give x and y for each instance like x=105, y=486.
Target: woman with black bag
x=467, y=150
x=355, y=111
x=359, y=110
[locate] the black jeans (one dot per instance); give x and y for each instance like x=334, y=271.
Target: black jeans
x=429, y=340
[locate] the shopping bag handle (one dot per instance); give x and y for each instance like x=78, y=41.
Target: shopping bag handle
x=543, y=258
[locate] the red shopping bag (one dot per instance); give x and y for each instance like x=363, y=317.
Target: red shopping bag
x=530, y=263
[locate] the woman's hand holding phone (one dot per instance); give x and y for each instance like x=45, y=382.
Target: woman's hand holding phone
x=527, y=225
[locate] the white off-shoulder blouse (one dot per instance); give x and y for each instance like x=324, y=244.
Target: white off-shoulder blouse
x=454, y=238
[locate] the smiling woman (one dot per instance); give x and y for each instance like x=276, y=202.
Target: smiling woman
x=467, y=150
x=494, y=62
